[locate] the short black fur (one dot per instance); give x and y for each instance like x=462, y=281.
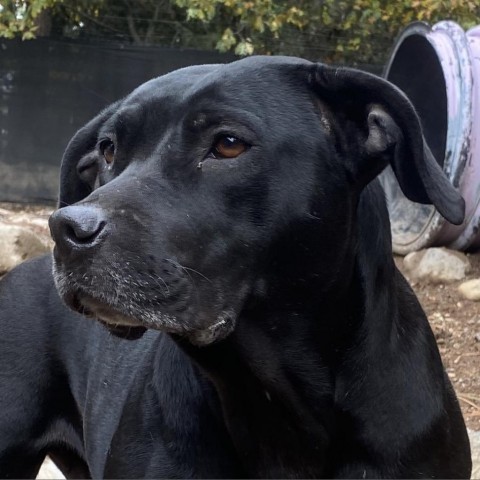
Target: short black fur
x=271, y=334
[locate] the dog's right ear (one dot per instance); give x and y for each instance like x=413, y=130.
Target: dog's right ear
x=77, y=173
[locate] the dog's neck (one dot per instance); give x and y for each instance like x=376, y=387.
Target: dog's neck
x=274, y=376
x=274, y=373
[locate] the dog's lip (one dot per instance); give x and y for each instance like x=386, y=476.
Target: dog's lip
x=122, y=325
x=116, y=322
x=122, y=331
x=106, y=313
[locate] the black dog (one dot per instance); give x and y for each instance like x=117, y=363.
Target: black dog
x=233, y=208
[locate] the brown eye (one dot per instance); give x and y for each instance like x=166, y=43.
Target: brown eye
x=228, y=147
x=107, y=148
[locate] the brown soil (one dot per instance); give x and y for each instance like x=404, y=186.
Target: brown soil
x=456, y=325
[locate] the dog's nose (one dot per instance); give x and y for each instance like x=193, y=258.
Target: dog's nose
x=77, y=227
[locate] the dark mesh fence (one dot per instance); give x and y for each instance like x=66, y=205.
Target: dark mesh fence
x=50, y=88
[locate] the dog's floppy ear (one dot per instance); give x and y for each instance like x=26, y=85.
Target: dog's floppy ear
x=78, y=158
x=389, y=132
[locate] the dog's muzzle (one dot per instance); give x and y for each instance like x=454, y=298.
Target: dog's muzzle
x=125, y=291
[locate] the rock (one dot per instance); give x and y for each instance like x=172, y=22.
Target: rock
x=475, y=446
x=437, y=265
x=471, y=289
x=49, y=470
x=19, y=243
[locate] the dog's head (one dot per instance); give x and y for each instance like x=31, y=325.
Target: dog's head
x=209, y=186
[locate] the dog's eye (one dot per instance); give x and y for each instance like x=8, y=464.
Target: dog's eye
x=107, y=148
x=228, y=146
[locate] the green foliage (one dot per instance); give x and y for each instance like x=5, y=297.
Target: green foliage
x=353, y=31
x=362, y=22
x=19, y=17
x=338, y=30
x=250, y=23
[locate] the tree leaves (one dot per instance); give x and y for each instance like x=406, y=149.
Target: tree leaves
x=19, y=17
x=340, y=31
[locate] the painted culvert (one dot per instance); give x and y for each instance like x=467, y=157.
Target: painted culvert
x=439, y=70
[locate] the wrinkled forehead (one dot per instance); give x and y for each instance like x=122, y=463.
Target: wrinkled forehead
x=260, y=87
x=173, y=84
x=249, y=81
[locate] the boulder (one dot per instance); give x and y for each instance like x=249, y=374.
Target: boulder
x=437, y=265
x=19, y=243
x=475, y=446
x=470, y=289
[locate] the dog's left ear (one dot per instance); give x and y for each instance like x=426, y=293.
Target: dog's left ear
x=75, y=183
x=388, y=131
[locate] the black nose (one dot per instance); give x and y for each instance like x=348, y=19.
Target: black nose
x=78, y=227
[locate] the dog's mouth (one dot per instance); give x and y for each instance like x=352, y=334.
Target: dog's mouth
x=202, y=316
x=126, y=333
x=116, y=322
x=131, y=328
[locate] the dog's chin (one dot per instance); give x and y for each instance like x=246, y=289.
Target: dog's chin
x=219, y=330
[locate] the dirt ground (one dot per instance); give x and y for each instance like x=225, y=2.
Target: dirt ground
x=456, y=325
